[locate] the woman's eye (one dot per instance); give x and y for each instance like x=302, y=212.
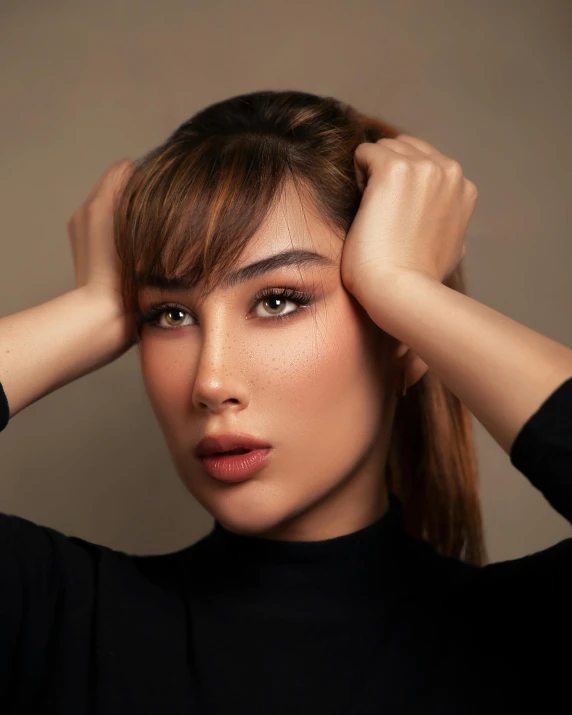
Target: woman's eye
x=269, y=305
x=275, y=305
x=170, y=311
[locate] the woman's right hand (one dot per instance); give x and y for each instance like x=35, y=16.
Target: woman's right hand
x=90, y=231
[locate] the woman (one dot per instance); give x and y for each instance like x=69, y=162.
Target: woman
x=288, y=269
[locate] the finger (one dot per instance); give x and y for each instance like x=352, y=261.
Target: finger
x=425, y=148
x=98, y=184
x=116, y=176
x=366, y=156
x=471, y=189
x=111, y=178
x=120, y=176
x=399, y=147
x=419, y=144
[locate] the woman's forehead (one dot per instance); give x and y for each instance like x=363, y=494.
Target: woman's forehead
x=294, y=223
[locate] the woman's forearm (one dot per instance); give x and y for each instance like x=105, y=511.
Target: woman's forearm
x=47, y=346
x=501, y=370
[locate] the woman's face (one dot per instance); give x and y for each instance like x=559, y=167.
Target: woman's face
x=314, y=385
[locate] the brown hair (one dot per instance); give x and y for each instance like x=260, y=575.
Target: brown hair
x=192, y=205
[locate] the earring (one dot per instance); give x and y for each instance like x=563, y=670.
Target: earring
x=404, y=390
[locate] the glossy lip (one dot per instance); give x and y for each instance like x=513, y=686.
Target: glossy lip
x=212, y=443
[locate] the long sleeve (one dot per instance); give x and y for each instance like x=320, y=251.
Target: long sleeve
x=30, y=589
x=542, y=450
x=519, y=611
x=4, y=409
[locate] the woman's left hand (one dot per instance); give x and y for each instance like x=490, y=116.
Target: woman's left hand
x=414, y=211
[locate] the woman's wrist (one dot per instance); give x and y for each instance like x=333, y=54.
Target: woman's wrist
x=52, y=344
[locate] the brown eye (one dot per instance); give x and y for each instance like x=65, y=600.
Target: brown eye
x=275, y=304
x=274, y=299
x=177, y=312
x=154, y=315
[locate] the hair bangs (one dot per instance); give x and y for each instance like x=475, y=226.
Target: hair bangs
x=187, y=214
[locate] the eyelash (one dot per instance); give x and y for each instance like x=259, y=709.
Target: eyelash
x=298, y=297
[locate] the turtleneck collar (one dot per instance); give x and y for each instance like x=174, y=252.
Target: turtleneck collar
x=347, y=545
x=348, y=568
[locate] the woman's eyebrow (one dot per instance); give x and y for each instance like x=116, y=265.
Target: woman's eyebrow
x=297, y=257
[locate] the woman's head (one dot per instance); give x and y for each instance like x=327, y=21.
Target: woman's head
x=308, y=372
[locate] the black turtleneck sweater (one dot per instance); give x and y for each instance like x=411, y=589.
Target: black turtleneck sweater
x=370, y=622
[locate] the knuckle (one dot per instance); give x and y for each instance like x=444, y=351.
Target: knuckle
x=428, y=165
x=453, y=168
x=114, y=172
x=92, y=207
x=428, y=168
x=473, y=191
x=401, y=166
x=363, y=149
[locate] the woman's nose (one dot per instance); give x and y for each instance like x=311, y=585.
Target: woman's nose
x=219, y=381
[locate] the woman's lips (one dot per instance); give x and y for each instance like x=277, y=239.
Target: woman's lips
x=236, y=467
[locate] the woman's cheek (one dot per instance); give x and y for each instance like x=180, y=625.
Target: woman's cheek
x=325, y=356
x=167, y=376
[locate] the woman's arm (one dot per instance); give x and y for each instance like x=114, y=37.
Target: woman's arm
x=501, y=370
x=406, y=239
x=47, y=346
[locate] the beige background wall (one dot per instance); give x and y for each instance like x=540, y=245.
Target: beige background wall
x=84, y=84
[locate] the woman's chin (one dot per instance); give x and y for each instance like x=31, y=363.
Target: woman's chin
x=261, y=525
x=252, y=519
x=255, y=507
